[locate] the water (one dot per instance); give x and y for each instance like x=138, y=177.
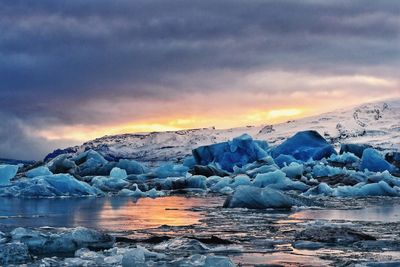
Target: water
x=252, y=230
x=384, y=213
x=108, y=214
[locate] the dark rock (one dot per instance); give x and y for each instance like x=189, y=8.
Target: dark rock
x=208, y=171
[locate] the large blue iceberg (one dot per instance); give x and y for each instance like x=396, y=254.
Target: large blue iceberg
x=304, y=146
x=238, y=152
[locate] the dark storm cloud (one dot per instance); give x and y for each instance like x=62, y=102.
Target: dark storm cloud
x=57, y=55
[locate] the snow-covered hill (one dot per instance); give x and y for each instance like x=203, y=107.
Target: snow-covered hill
x=377, y=124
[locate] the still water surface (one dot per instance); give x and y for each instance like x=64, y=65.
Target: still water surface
x=109, y=214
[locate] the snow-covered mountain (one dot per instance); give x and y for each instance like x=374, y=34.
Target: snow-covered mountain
x=377, y=124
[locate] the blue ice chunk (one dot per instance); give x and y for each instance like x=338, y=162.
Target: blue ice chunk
x=373, y=161
x=359, y=190
x=321, y=170
x=356, y=149
x=118, y=173
x=238, y=152
x=153, y=193
x=136, y=193
x=282, y=159
x=109, y=183
x=321, y=189
x=240, y=180
x=293, y=170
x=252, y=197
x=90, y=154
x=304, y=146
x=212, y=180
x=278, y=180
x=262, y=169
x=170, y=170
x=196, y=181
x=39, y=171
x=56, y=185
x=7, y=172
x=362, y=190
x=189, y=162
x=223, y=182
x=132, y=166
x=345, y=158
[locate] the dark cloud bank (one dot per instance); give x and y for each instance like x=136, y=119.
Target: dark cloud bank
x=55, y=56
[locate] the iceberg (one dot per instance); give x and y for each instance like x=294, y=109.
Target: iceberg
x=304, y=146
x=294, y=170
x=345, y=158
x=373, y=161
x=356, y=149
x=39, y=171
x=109, y=183
x=359, y=190
x=278, y=180
x=170, y=170
x=321, y=170
x=56, y=185
x=238, y=152
x=222, y=183
x=62, y=164
x=283, y=160
x=252, y=197
x=135, y=193
x=196, y=181
x=118, y=173
x=7, y=172
x=89, y=162
x=132, y=166
x=240, y=180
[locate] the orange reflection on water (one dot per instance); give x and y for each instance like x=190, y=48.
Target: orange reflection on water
x=150, y=213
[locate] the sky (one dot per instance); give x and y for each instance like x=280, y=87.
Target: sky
x=71, y=71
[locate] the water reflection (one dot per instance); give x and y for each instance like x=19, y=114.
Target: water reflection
x=387, y=213
x=110, y=214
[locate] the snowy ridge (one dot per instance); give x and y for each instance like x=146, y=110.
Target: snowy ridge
x=377, y=124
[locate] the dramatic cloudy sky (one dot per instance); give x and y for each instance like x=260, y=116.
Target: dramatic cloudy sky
x=74, y=70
